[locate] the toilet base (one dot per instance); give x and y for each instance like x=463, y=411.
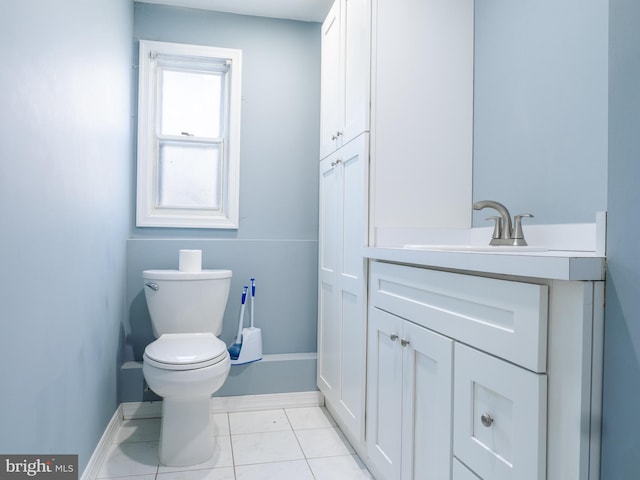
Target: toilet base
x=187, y=436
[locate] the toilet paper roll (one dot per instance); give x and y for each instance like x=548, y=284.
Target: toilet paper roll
x=190, y=261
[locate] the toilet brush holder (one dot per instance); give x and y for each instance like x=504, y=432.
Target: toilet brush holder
x=251, y=349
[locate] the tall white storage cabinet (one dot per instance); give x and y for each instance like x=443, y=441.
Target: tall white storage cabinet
x=342, y=287
x=345, y=75
x=344, y=198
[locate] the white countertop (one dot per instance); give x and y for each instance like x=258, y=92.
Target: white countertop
x=551, y=264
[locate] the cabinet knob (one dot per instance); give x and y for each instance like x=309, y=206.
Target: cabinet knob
x=404, y=342
x=393, y=337
x=486, y=419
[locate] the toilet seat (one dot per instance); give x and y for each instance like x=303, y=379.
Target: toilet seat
x=185, y=351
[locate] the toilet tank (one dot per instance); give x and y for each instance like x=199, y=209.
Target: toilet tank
x=186, y=302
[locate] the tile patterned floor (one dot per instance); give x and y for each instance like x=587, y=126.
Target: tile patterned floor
x=285, y=444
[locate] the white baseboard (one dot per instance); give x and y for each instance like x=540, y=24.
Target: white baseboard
x=269, y=401
x=137, y=410
x=242, y=403
x=101, y=450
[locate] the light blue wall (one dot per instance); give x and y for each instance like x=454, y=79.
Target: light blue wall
x=621, y=432
x=540, y=108
x=65, y=175
x=277, y=238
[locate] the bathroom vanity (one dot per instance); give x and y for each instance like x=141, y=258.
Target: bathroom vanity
x=478, y=374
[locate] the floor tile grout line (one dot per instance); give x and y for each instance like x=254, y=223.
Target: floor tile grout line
x=233, y=455
x=313, y=475
x=306, y=458
x=288, y=419
x=300, y=445
x=271, y=462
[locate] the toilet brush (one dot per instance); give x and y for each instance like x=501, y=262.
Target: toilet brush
x=236, y=348
x=251, y=346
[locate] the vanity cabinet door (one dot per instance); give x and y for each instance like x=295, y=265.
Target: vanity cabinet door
x=427, y=404
x=500, y=416
x=384, y=393
x=409, y=384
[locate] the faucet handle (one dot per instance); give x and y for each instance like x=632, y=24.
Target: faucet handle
x=517, y=226
x=497, y=228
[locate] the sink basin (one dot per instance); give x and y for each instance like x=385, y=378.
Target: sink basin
x=476, y=248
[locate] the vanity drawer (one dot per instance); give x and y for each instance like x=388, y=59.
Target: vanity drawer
x=505, y=318
x=499, y=417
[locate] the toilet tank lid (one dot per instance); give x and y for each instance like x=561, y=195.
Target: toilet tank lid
x=179, y=275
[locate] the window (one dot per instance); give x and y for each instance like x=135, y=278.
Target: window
x=188, y=136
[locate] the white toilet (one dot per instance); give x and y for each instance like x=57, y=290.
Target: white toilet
x=188, y=362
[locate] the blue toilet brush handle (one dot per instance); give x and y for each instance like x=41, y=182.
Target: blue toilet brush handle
x=253, y=297
x=240, y=321
x=234, y=350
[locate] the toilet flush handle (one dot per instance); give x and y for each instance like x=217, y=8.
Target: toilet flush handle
x=152, y=286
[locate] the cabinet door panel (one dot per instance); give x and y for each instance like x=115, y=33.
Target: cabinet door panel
x=357, y=72
x=328, y=222
x=354, y=158
x=342, y=289
x=500, y=417
x=328, y=341
x=352, y=362
x=328, y=291
x=384, y=393
x=330, y=90
x=427, y=392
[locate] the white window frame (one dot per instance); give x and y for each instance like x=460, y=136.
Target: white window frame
x=148, y=211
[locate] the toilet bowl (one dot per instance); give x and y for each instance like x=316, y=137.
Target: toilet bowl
x=186, y=369
x=187, y=363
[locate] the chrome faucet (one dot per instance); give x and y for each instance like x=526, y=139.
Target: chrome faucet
x=504, y=232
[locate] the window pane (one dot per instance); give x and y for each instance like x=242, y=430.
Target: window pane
x=189, y=175
x=190, y=103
